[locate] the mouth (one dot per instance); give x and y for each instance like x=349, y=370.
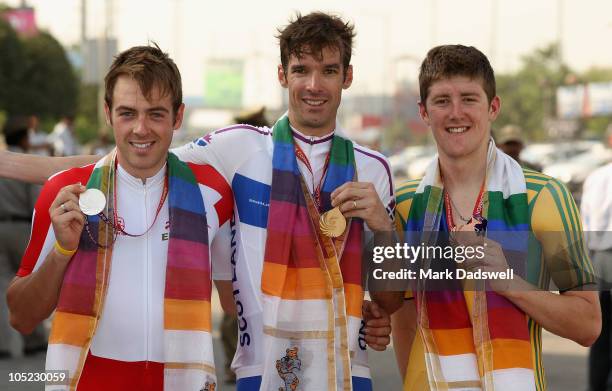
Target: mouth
x=314, y=102
x=457, y=129
x=142, y=146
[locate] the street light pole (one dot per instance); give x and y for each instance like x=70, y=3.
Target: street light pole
x=560, y=28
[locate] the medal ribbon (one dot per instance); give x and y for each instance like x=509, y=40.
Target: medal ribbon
x=299, y=153
x=117, y=225
x=476, y=212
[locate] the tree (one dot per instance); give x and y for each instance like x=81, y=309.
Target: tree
x=529, y=95
x=49, y=85
x=35, y=75
x=11, y=66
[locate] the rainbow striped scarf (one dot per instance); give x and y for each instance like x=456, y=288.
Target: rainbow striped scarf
x=187, y=319
x=311, y=284
x=475, y=340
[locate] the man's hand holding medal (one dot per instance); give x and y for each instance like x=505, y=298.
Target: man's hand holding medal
x=358, y=199
x=471, y=234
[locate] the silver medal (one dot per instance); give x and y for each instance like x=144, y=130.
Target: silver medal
x=92, y=202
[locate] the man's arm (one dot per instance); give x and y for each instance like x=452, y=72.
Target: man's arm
x=32, y=298
x=575, y=315
x=226, y=297
x=36, y=169
x=387, y=293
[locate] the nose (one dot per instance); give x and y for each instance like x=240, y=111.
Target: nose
x=456, y=109
x=140, y=127
x=314, y=82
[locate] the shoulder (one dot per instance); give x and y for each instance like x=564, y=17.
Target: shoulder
x=373, y=167
x=372, y=159
x=64, y=178
x=406, y=190
x=404, y=195
x=240, y=132
x=216, y=189
x=551, y=205
x=537, y=182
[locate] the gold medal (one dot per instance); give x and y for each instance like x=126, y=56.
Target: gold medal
x=332, y=223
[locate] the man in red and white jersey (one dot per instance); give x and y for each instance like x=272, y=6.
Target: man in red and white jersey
x=130, y=285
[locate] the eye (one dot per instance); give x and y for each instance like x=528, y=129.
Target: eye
x=157, y=115
x=331, y=71
x=441, y=101
x=126, y=114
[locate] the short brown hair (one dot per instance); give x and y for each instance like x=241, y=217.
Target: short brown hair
x=150, y=67
x=314, y=32
x=456, y=60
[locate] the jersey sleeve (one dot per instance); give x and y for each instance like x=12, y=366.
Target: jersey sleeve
x=556, y=224
x=221, y=253
x=385, y=188
x=219, y=196
x=224, y=149
x=374, y=167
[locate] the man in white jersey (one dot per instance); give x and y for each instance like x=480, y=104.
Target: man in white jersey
x=315, y=56
x=131, y=286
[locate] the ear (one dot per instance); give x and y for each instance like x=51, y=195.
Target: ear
x=348, y=78
x=107, y=115
x=494, y=108
x=423, y=113
x=178, y=121
x=282, y=77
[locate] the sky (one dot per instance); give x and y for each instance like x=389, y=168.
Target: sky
x=392, y=36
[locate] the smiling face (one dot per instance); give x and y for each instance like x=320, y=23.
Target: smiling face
x=315, y=89
x=459, y=114
x=143, y=128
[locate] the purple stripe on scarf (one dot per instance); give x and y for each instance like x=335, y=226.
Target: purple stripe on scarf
x=195, y=231
x=495, y=300
x=445, y=296
x=286, y=189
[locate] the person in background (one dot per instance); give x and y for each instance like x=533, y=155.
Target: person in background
x=17, y=201
x=62, y=138
x=596, y=211
x=511, y=141
x=38, y=139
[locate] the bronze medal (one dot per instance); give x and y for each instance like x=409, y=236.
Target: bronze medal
x=332, y=223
